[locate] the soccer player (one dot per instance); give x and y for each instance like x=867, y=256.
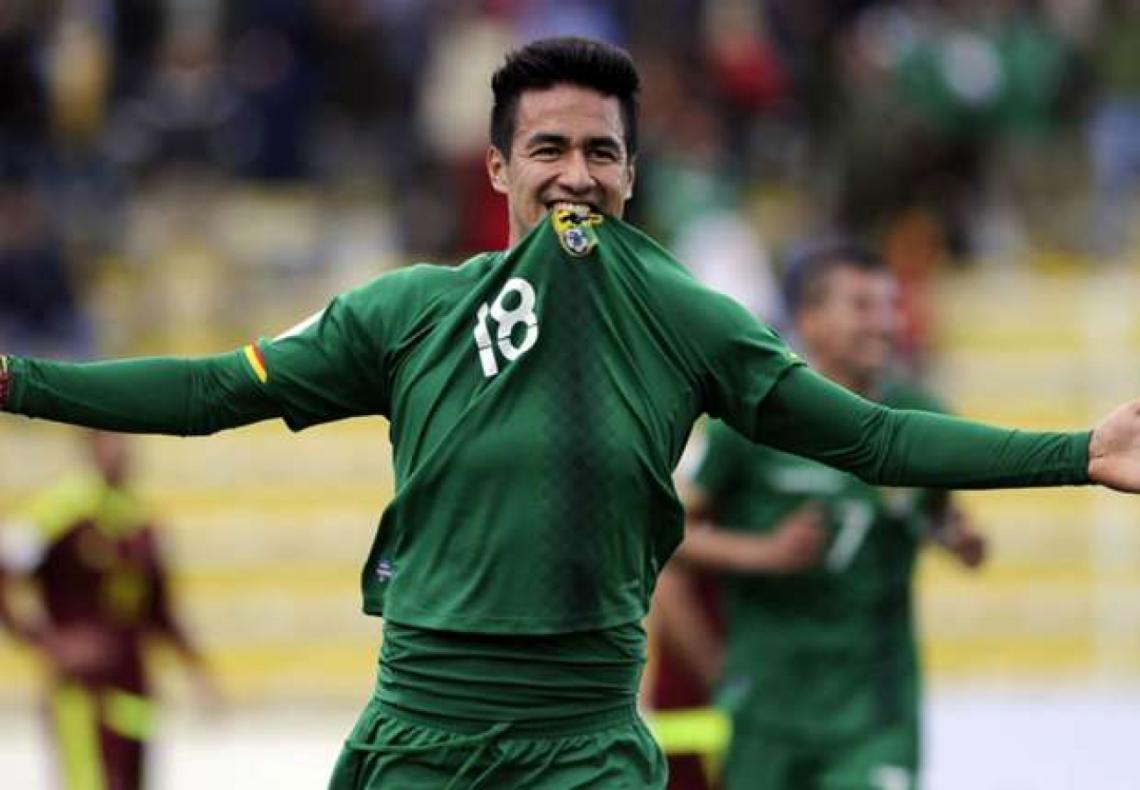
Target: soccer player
x=90, y=551
x=822, y=672
x=538, y=399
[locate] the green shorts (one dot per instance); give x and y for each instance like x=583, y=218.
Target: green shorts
x=392, y=748
x=883, y=759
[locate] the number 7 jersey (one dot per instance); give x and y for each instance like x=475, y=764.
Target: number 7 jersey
x=538, y=400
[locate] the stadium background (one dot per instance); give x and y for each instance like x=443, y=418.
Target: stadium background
x=182, y=176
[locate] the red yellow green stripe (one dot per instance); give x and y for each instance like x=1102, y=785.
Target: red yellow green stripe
x=256, y=361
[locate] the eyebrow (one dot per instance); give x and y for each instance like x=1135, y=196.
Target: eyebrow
x=550, y=138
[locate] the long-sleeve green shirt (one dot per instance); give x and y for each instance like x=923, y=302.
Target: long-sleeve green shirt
x=539, y=400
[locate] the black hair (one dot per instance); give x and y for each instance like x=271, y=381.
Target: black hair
x=811, y=265
x=548, y=62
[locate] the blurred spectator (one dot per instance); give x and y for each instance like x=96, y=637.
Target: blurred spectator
x=748, y=83
x=24, y=114
x=953, y=117
x=77, y=64
x=688, y=198
x=274, y=75
x=86, y=192
x=455, y=107
x=138, y=27
x=685, y=168
x=90, y=549
x=805, y=34
x=937, y=77
x=189, y=116
x=600, y=19
x=38, y=307
x=1030, y=173
x=973, y=94
x=369, y=58
x=725, y=252
x=1114, y=126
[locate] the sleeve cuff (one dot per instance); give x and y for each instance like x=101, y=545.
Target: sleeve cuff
x=13, y=385
x=1079, y=455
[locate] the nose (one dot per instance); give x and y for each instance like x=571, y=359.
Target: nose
x=575, y=176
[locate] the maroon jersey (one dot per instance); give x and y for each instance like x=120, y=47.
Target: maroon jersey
x=91, y=550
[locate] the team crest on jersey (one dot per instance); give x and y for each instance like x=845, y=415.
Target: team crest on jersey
x=574, y=226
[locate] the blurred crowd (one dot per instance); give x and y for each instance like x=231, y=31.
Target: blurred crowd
x=941, y=130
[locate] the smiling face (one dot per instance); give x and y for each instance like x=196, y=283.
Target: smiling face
x=568, y=147
x=851, y=330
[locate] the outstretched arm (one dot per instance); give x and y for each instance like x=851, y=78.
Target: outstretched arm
x=809, y=415
x=329, y=367
x=155, y=395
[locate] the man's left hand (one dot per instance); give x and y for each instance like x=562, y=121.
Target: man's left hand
x=1114, y=450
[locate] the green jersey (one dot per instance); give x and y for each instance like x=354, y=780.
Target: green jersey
x=539, y=400
x=828, y=653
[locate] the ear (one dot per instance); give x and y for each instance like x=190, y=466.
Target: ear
x=497, y=170
x=631, y=177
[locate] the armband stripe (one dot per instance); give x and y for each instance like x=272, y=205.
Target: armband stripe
x=256, y=361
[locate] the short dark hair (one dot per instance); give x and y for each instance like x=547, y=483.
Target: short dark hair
x=810, y=266
x=570, y=60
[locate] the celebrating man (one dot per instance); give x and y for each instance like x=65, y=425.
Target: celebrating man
x=538, y=399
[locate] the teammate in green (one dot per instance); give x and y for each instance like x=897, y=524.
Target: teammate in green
x=538, y=400
x=822, y=677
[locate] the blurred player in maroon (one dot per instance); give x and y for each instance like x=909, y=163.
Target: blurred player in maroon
x=681, y=678
x=88, y=550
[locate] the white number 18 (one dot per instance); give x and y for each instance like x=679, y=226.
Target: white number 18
x=522, y=313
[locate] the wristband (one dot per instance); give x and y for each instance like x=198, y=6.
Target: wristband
x=5, y=378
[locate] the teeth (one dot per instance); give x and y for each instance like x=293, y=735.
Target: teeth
x=577, y=208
